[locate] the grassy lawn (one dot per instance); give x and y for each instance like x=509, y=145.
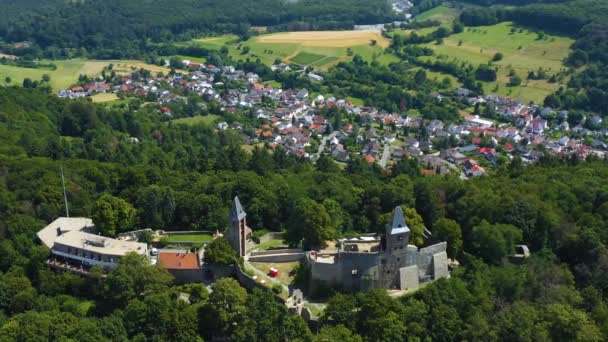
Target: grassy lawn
x=104, y=97
x=438, y=76
x=274, y=84
x=67, y=71
x=307, y=58
x=522, y=51
x=407, y=32
x=216, y=43
x=272, y=244
x=445, y=15
x=326, y=61
x=196, y=120
x=286, y=274
x=356, y=101
x=176, y=238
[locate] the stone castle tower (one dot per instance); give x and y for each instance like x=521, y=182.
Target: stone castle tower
x=238, y=233
x=396, y=250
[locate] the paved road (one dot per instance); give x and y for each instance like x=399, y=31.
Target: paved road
x=385, y=155
x=322, y=144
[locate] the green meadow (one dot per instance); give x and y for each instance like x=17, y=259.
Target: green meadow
x=208, y=120
x=443, y=14
x=67, y=71
x=177, y=238
x=307, y=58
x=522, y=51
x=216, y=43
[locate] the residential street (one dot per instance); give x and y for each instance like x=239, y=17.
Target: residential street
x=385, y=155
x=322, y=144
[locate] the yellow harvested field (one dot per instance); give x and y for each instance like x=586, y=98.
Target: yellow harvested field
x=104, y=97
x=3, y=55
x=327, y=38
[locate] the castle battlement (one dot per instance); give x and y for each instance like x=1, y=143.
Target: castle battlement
x=372, y=261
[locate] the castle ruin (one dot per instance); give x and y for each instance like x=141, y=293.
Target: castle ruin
x=387, y=262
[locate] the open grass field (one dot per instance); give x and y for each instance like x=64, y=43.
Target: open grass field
x=438, y=76
x=320, y=49
x=307, y=58
x=272, y=244
x=177, y=238
x=67, y=71
x=196, y=120
x=286, y=269
x=443, y=14
x=407, y=32
x=216, y=43
x=522, y=51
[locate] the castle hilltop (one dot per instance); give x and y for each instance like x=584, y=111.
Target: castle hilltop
x=387, y=261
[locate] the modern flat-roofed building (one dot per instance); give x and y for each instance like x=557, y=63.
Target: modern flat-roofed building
x=91, y=250
x=63, y=225
x=75, y=245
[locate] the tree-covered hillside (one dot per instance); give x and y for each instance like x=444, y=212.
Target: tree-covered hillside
x=559, y=208
x=118, y=29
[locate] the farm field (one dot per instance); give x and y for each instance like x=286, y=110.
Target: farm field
x=104, y=97
x=67, y=71
x=320, y=49
x=523, y=51
x=216, y=43
x=326, y=38
x=307, y=58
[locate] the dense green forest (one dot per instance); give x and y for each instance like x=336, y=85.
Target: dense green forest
x=121, y=29
x=183, y=177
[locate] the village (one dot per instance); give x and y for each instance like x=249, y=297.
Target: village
x=309, y=125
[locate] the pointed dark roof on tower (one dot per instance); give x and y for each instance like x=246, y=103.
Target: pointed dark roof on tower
x=398, y=225
x=237, y=213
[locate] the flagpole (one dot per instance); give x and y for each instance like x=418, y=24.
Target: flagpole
x=65, y=195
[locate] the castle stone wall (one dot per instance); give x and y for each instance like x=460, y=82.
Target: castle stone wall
x=408, y=277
